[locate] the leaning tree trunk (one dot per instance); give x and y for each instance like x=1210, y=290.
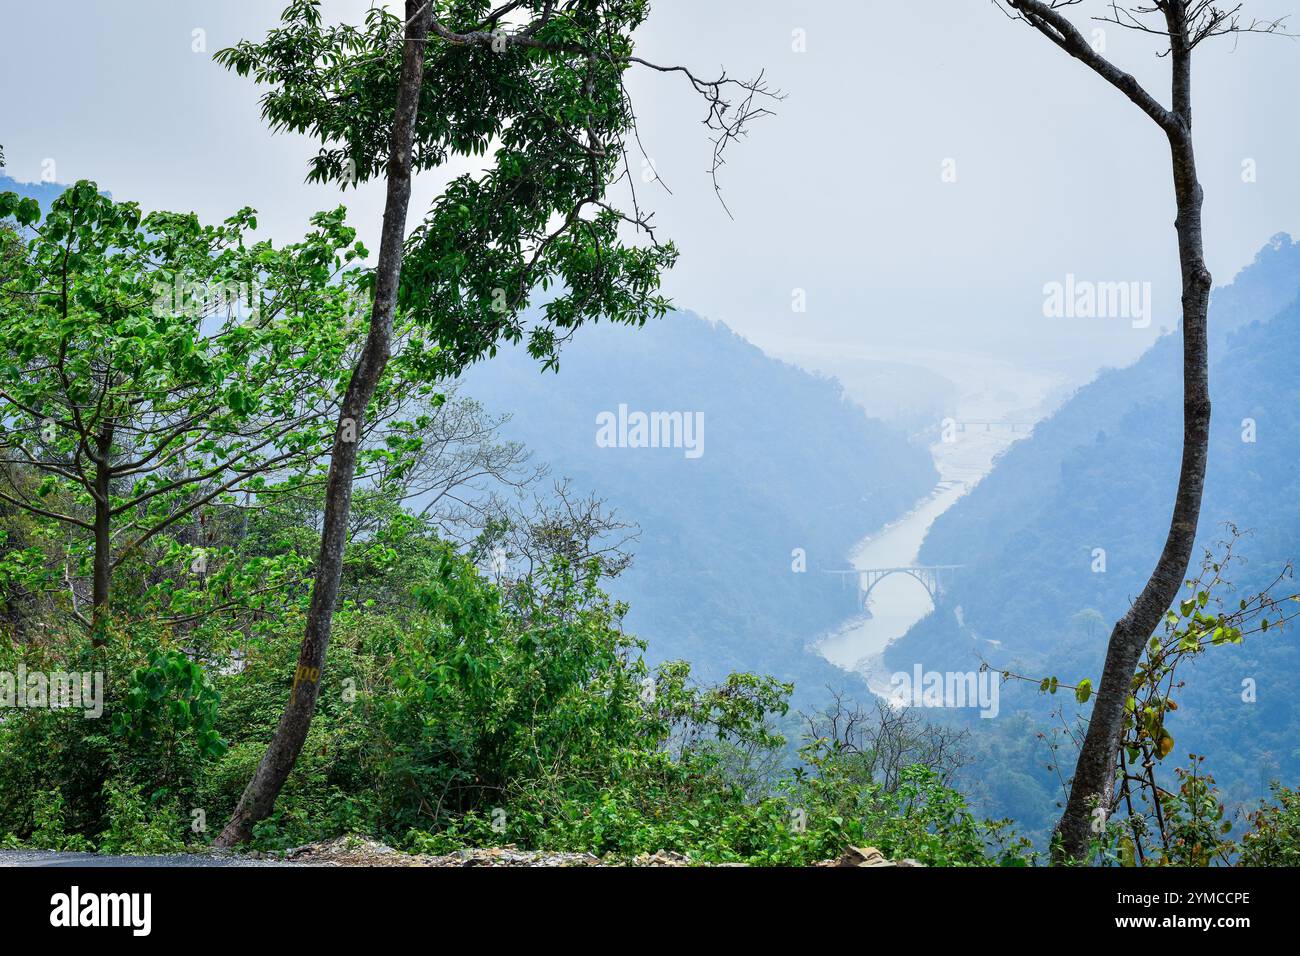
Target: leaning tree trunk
x=281, y=754
x=1095, y=773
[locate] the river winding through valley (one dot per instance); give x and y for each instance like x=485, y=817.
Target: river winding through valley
x=899, y=601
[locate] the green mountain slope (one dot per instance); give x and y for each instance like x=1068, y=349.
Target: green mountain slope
x=787, y=463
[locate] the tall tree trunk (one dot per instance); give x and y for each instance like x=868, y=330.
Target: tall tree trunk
x=102, y=572
x=1095, y=772
x=281, y=754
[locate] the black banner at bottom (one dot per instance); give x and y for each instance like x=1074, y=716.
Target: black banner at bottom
x=233, y=904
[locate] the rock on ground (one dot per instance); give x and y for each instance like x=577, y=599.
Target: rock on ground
x=362, y=851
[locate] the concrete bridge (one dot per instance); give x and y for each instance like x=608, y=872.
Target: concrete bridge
x=933, y=577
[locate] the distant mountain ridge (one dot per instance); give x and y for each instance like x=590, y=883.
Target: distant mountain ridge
x=788, y=463
x=43, y=193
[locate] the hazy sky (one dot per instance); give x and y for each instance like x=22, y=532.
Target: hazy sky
x=840, y=194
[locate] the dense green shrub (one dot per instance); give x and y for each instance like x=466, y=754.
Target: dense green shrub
x=1274, y=835
x=137, y=825
x=481, y=715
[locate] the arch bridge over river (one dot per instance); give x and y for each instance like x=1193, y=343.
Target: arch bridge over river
x=933, y=577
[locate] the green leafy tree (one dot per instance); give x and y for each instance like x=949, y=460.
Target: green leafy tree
x=153, y=368
x=1184, y=25
x=538, y=86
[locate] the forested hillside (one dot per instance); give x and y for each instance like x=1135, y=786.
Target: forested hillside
x=787, y=463
x=1100, y=474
